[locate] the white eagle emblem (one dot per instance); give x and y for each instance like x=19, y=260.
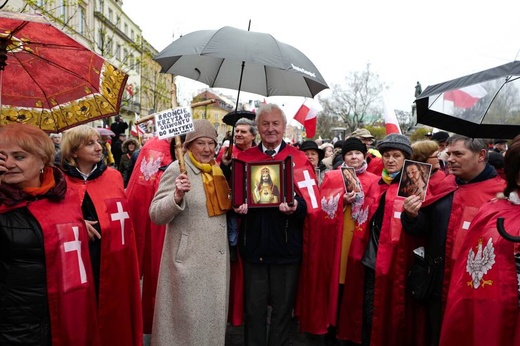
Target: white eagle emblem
x=480, y=263
x=330, y=205
x=149, y=168
x=362, y=216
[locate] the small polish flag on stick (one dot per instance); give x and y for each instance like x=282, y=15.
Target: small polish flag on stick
x=307, y=116
x=391, y=123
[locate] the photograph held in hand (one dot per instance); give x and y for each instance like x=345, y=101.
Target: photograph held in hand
x=414, y=179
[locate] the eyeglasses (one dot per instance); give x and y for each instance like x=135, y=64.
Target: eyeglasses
x=434, y=155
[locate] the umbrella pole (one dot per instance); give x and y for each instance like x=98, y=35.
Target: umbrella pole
x=229, y=151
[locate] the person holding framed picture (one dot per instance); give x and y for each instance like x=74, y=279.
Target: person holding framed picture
x=271, y=238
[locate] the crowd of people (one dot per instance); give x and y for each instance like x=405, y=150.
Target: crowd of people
x=380, y=243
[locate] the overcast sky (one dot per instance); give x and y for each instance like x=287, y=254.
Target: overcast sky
x=404, y=41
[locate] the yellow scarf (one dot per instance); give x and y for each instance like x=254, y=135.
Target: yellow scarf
x=215, y=186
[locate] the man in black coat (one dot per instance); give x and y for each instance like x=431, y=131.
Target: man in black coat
x=117, y=148
x=118, y=126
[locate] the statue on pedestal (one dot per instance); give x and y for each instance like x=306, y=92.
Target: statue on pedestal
x=418, y=90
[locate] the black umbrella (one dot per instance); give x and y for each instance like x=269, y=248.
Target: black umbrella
x=232, y=117
x=242, y=60
x=485, y=104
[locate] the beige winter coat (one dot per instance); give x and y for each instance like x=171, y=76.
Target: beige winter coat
x=192, y=293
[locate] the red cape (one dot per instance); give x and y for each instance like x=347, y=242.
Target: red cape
x=485, y=311
x=319, y=309
x=467, y=200
x=375, y=165
x=149, y=237
x=395, y=318
x=70, y=283
x=119, y=300
x=235, y=152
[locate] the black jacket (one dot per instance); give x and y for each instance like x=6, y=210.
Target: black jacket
x=24, y=313
x=269, y=236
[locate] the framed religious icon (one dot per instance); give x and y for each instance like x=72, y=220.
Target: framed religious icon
x=263, y=183
x=414, y=179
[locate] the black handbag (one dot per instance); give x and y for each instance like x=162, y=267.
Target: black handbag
x=423, y=275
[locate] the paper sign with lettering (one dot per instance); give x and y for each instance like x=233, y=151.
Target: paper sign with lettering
x=174, y=122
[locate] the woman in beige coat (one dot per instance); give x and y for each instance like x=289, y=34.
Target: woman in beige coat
x=193, y=288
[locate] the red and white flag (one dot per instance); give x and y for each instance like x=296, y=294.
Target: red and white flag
x=307, y=116
x=137, y=130
x=465, y=97
x=391, y=123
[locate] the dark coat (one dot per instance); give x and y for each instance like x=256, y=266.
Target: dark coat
x=269, y=236
x=22, y=266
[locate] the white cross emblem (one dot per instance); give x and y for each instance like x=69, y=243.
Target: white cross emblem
x=120, y=216
x=75, y=245
x=308, y=183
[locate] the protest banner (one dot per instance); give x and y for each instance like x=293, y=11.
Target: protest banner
x=173, y=122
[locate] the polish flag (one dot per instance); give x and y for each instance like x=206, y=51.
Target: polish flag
x=307, y=116
x=137, y=130
x=465, y=97
x=391, y=123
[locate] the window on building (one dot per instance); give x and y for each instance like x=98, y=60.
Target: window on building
x=132, y=34
x=60, y=6
x=101, y=5
x=81, y=20
x=131, y=62
x=126, y=29
x=110, y=49
x=118, y=52
x=110, y=15
x=101, y=39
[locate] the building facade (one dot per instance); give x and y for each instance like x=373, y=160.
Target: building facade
x=102, y=26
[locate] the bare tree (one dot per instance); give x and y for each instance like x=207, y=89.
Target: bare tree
x=359, y=97
x=405, y=119
x=324, y=125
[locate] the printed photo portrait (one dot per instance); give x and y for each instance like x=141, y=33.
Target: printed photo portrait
x=414, y=179
x=350, y=179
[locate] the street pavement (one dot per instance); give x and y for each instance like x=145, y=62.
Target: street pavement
x=235, y=337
